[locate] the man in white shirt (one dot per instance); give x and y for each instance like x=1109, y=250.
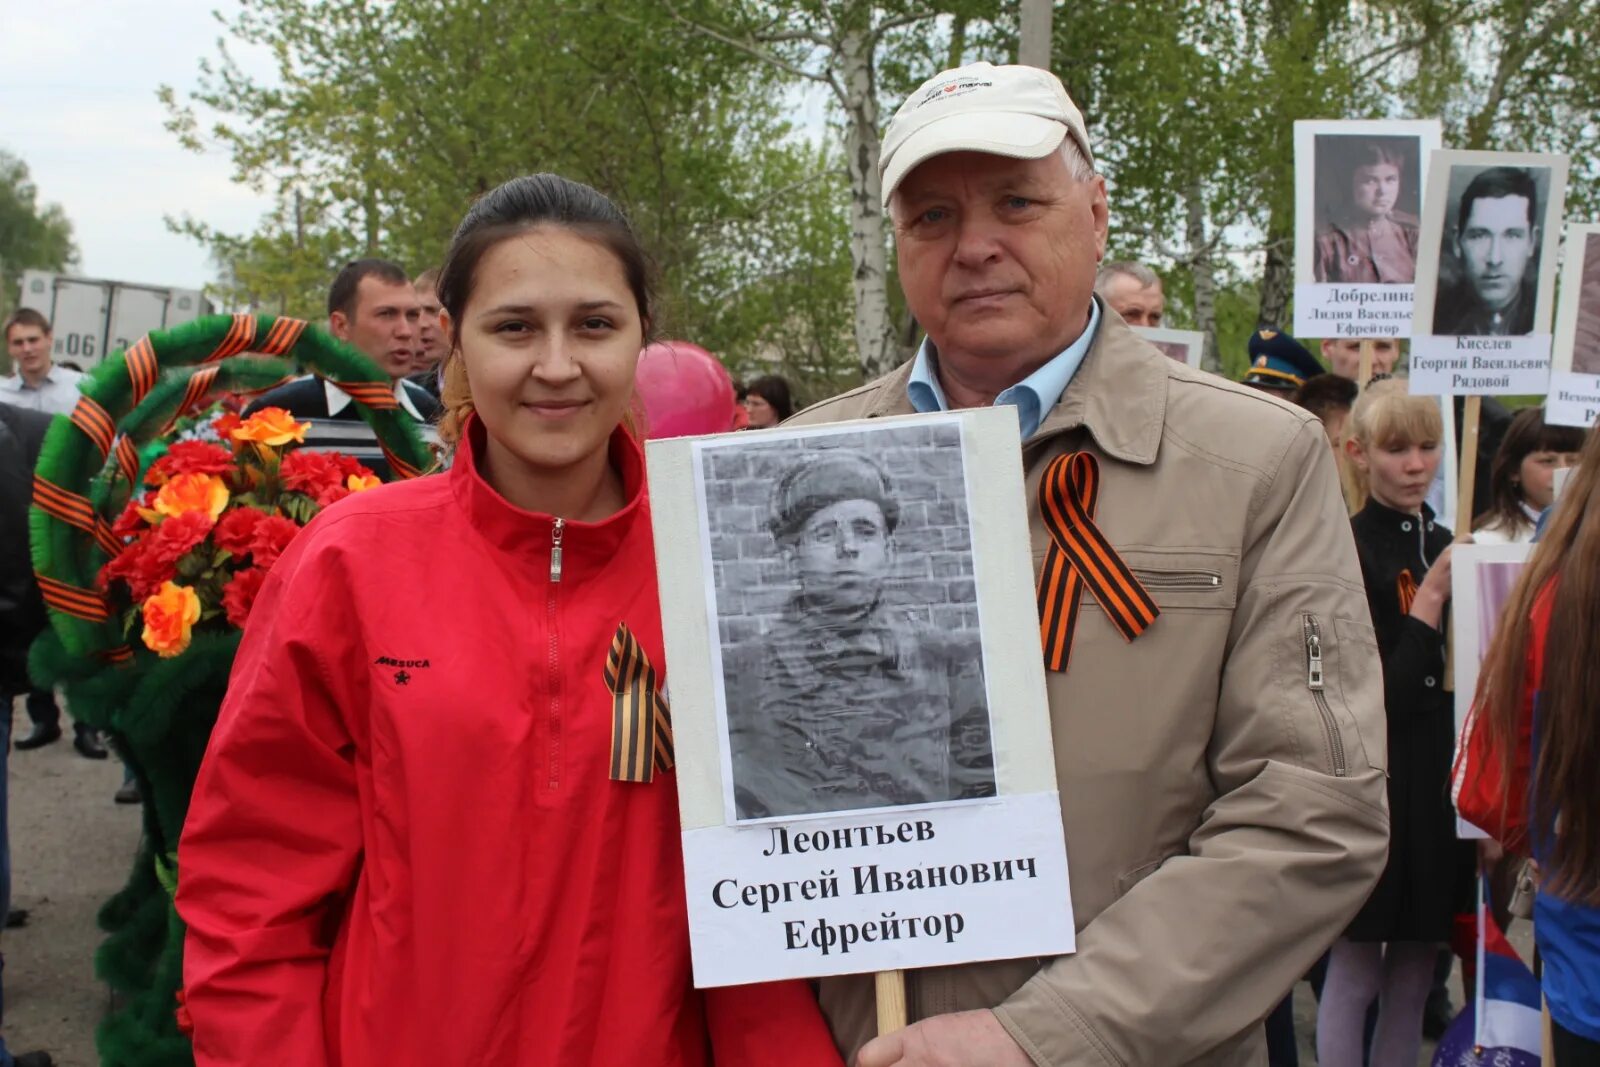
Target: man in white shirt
x=37, y=384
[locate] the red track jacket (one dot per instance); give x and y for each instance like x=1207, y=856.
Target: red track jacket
x=404, y=847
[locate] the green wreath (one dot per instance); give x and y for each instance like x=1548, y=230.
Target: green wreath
x=89, y=463
x=158, y=713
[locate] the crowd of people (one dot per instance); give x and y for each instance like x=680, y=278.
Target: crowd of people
x=432, y=865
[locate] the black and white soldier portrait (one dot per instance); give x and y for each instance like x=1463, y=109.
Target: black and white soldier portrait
x=1368, y=196
x=1586, y=336
x=1490, y=251
x=847, y=614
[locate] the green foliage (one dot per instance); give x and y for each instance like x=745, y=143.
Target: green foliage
x=383, y=124
x=33, y=236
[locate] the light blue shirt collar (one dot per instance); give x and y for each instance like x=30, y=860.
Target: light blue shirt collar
x=1033, y=397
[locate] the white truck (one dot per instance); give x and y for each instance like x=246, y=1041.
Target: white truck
x=92, y=317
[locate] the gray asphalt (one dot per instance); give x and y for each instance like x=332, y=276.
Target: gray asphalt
x=71, y=848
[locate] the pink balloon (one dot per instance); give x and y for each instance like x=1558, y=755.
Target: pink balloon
x=684, y=391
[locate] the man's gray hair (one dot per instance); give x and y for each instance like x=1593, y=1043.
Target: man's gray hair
x=1137, y=271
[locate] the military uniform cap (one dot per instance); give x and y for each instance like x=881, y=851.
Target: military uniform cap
x=1278, y=361
x=824, y=479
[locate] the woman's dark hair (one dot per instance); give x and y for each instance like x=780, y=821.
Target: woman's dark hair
x=1565, y=565
x=775, y=391
x=1528, y=433
x=519, y=205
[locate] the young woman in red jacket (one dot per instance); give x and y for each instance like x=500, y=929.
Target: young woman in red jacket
x=406, y=846
x=1531, y=749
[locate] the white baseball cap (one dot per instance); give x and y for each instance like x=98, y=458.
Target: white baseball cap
x=1021, y=112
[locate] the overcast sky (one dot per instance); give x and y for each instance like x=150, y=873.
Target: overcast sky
x=78, y=105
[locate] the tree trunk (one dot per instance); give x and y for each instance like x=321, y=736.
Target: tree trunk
x=876, y=343
x=1204, y=276
x=1278, y=272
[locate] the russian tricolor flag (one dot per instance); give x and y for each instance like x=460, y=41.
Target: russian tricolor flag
x=1504, y=1026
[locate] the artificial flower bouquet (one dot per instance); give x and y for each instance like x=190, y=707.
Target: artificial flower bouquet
x=199, y=540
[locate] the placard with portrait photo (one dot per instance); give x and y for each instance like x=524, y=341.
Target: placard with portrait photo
x=1575, y=358
x=1358, y=208
x=1181, y=346
x=1482, y=578
x=854, y=665
x=1491, y=225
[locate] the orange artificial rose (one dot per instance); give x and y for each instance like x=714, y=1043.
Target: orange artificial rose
x=271, y=426
x=169, y=618
x=192, y=492
x=357, y=483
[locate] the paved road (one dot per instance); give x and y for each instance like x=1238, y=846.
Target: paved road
x=71, y=848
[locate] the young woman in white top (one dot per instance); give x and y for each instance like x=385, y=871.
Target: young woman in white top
x=1522, y=480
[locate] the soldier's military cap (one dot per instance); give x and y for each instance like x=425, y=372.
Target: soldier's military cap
x=825, y=479
x=1278, y=361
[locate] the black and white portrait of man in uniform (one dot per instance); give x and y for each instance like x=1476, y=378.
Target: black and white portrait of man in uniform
x=862, y=689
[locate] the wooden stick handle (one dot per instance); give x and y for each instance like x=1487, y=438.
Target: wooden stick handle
x=1364, y=375
x=1471, y=416
x=891, y=1001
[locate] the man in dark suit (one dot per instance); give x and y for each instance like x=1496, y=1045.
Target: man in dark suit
x=25, y=432
x=372, y=305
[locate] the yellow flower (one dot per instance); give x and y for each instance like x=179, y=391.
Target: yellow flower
x=271, y=426
x=192, y=492
x=357, y=483
x=169, y=618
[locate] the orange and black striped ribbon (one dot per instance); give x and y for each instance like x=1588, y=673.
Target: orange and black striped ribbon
x=240, y=336
x=108, y=541
x=379, y=396
x=258, y=390
x=95, y=422
x=641, y=724
x=71, y=600
x=69, y=507
x=127, y=457
x=74, y=510
x=1080, y=555
x=143, y=368
x=119, y=655
x=200, y=384
x=1406, y=586
x=401, y=468
x=282, y=338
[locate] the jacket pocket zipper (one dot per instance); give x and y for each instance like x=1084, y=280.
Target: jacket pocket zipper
x=1314, y=682
x=1179, y=579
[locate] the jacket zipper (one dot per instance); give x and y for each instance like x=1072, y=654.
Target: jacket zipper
x=553, y=648
x=1314, y=682
x=1179, y=579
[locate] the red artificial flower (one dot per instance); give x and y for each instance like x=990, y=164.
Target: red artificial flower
x=125, y=567
x=173, y=539
x=308, y=472
x=131, y=523
x=272, y=536
x=189, y=457
x=237, y=529
x=181, y=1014
x=225, y=424
x=239, y=595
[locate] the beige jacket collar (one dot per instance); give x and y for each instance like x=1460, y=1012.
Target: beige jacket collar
x=1119, y=395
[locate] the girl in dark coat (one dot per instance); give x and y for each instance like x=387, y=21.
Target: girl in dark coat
x=1389, y=951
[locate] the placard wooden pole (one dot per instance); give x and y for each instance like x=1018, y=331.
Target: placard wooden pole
x=891, y=1001
x=1471, y=413
x=1368, y=350
x=1547, y=1039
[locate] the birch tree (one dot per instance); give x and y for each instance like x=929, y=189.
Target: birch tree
x=842, y=45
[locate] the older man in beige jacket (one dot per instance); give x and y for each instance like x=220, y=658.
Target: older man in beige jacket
x=1222, y=773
